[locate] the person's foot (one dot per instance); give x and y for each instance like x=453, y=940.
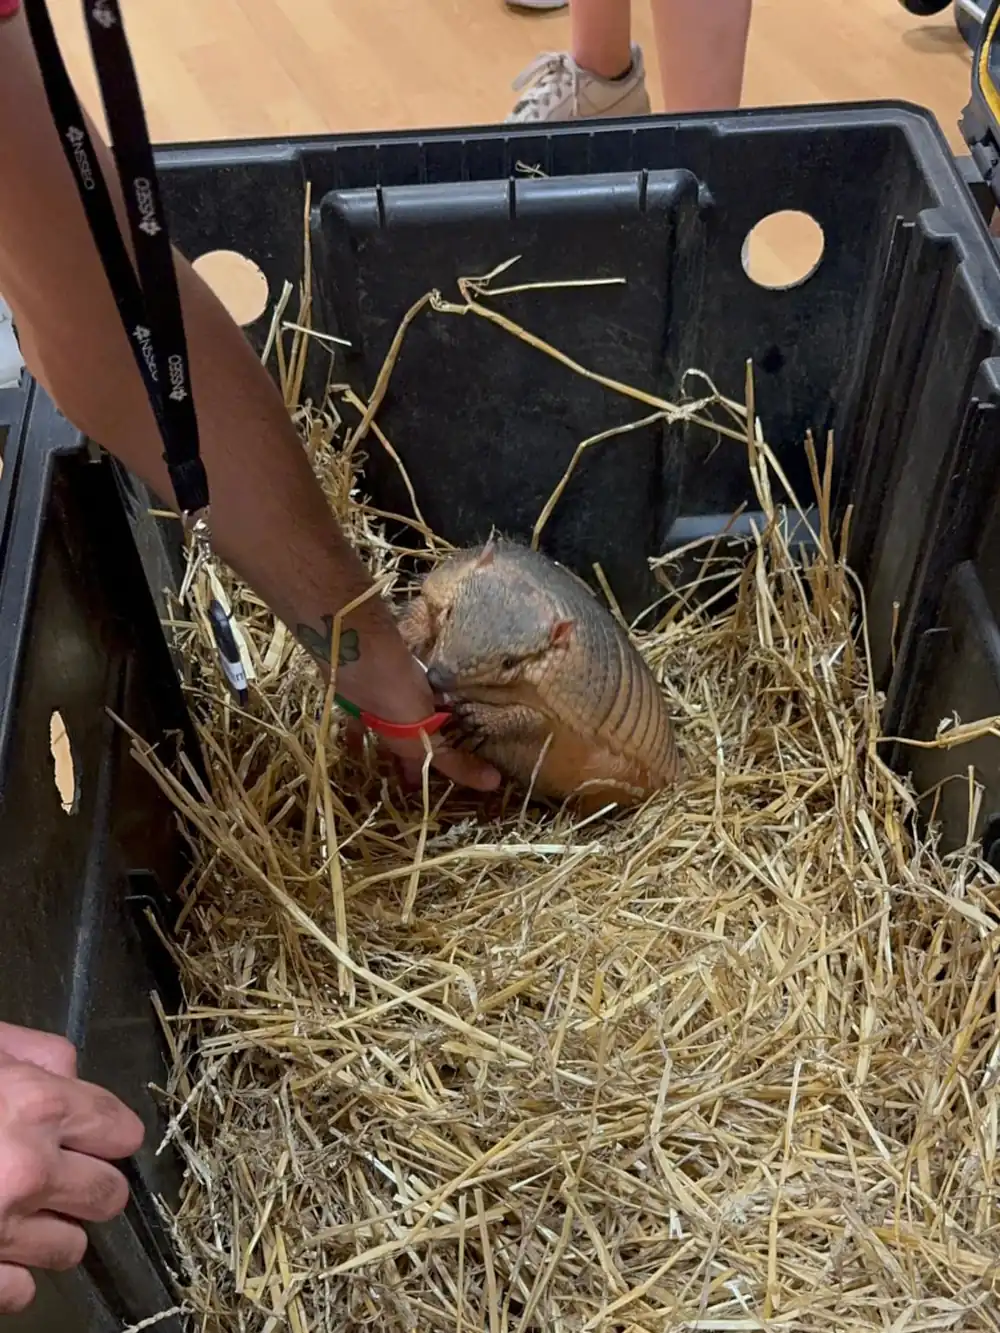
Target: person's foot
x=558, y=89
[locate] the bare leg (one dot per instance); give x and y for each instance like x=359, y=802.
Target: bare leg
x=701, y=45
x=601, y=36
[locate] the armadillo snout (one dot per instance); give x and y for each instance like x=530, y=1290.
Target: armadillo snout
x=441, y=680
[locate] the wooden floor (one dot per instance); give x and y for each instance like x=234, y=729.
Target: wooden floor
x=221, y=69
x=233, y=68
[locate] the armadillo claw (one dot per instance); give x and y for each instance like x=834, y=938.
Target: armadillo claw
x=465, y=718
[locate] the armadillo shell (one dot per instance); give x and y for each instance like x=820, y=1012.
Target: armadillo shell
x=601, y=690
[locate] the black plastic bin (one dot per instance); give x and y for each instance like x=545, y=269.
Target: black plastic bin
x=79, y=634
x=891, y=343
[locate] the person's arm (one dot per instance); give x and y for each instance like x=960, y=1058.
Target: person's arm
x=270, y=520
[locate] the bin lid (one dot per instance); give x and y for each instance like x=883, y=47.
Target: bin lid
x=980, y=121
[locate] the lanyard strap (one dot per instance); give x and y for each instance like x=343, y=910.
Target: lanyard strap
x=149, y=306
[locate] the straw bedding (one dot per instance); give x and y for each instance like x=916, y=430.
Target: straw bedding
x=729, y=1062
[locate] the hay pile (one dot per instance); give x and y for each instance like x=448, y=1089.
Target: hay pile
x=728, y=1063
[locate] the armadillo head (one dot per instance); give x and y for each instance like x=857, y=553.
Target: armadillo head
x=497, y=635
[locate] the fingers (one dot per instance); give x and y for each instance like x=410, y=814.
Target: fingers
x=78, y=1116
x=55, y=1132
x=44, y=1049
x=98, y=1124
x=17, y=1289
x=468, y=770
x=43, y=1240
x=86, y=1189
x=410, y=696
x=38, y=1175
x=459, y=767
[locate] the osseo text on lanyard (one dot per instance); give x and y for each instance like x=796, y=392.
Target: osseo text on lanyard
x=148, y=301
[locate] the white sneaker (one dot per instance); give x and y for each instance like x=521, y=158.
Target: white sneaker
x=558, y=89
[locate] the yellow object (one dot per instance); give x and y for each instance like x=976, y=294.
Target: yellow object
x=983, y=73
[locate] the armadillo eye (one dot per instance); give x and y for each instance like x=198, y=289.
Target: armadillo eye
x=509, y=663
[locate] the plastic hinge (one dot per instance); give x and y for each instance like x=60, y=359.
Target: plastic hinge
x=986, y=158
x=978, y=134
x=978, y=122
x=11, y=360
x=977, y=186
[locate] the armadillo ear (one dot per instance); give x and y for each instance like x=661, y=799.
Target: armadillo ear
x=561, y=631
x=487, y=554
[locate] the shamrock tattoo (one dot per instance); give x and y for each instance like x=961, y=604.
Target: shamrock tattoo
x=319, y=645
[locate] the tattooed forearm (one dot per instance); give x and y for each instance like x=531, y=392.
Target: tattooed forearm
x=319, y=645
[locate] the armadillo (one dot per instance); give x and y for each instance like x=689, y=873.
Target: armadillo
x=540, y=677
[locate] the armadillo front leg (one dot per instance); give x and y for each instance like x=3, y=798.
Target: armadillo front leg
x=529, y=748
x=509, y=736
x=500, y=723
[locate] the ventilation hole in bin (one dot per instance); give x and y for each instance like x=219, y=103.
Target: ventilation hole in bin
x=237, y=282
x=63, y=764
x=783, y=250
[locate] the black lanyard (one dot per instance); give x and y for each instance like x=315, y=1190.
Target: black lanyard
x=149, y=306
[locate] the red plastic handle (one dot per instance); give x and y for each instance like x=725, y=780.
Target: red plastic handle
x=404, y=731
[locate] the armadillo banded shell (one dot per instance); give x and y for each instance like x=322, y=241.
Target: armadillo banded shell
x=605, y=688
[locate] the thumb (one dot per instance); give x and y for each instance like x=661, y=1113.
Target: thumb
x=465, y=769
x=459, y=766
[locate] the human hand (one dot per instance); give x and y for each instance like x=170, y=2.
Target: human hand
x=58, y=1136
x=403, y=695
x=394, y=687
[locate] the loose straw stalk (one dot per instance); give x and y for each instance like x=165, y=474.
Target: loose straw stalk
x=729, y=1062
